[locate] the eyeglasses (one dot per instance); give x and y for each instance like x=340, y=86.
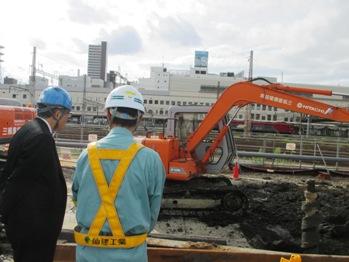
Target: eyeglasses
x=69, y=114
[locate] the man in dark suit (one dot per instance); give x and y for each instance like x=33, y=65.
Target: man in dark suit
x=35, y=197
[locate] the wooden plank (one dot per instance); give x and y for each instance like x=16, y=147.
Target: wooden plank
x=66, y=253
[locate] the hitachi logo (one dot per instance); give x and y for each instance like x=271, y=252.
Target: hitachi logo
x=315, y=109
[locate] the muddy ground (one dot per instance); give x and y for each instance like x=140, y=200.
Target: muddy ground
x=273, y=220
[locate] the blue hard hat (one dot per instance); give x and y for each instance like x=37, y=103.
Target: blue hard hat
x=55, y=96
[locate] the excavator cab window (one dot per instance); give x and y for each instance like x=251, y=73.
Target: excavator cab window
x=186, y=123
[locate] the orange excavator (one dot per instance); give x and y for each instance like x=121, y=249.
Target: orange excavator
x=209, y=146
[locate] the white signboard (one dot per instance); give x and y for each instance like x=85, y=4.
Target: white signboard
x=291, y=146
x=92, y=137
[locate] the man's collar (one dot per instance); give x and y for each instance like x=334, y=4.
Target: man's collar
x=48, y=125
x=120, y=130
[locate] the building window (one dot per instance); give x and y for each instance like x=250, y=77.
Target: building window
x=190, y=103
x=258, y=106
x=14, y=96
x=286, y=119
x=240, y=116
x=167, y=102
x=184, y=103
x=156, y=102
x=78, y=108
x=178, y=103
x=252, y=116
x=264, y=107
x=195, y=103
x=269, y=117
x=263, y=117
x=94, y=108
x=145, y=101
x=207, y=104
x=173, y=103
x=24, y=96
x=274, y=117
x=161, y=102
x=150, y=102
x=88, y=108
x=258, y=116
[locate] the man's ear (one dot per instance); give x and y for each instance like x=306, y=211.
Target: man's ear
x=108, y=113
x=58, y=114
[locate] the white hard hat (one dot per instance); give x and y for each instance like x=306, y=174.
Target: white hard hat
x=125, y=96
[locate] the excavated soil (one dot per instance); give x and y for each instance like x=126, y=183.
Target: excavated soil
x=273, y=220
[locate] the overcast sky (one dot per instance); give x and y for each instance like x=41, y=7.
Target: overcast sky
x=305, y=41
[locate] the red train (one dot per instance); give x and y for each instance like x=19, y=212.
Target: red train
x=12, y=118
x=267, y=127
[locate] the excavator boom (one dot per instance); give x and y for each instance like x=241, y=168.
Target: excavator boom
x=275, y=95
x=187, y=188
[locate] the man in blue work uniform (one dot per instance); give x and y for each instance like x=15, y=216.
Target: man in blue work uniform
x=117, y=187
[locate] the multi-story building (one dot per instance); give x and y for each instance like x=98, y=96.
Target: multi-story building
x=165, y=88
x=97, y=61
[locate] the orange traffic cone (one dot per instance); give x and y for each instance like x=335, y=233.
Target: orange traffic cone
x=236, y=171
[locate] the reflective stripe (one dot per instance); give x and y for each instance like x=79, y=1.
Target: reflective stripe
x=108, y=195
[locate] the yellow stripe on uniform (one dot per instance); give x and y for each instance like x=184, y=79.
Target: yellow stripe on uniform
x=108, y=195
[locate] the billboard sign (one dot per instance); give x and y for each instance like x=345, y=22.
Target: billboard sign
x=201, y=59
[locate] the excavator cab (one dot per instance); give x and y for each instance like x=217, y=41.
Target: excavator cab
x=184, y=120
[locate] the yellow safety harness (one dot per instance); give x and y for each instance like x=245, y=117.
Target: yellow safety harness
x=107, y=210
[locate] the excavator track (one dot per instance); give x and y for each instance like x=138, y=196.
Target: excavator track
x=202, y=196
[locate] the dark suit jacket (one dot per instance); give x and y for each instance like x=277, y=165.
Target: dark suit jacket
x=36, y=195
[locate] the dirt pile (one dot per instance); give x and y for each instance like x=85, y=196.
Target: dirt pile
x=273, y=220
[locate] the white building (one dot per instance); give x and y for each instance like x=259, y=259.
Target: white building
x=162, y=89
x=78, y=82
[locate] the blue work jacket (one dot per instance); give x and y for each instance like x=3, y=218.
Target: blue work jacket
x=138, y=201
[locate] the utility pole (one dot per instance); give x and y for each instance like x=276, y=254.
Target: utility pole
x=247, y=130
x=32, y=78
x=82, y=118
x=218, y=86
x=1, y=54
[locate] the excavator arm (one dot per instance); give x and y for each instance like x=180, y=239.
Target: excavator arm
x=276, y=95
x=190, y=189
